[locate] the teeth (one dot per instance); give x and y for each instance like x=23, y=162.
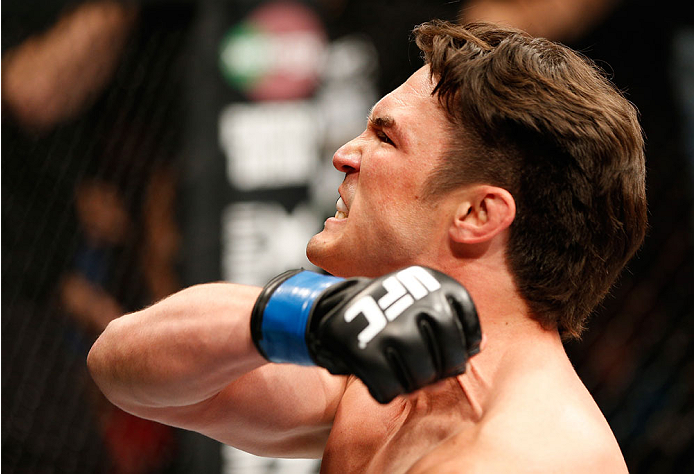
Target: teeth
x=342, y=210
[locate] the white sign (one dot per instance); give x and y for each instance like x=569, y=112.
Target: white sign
x=261, y=239
x=270, y=145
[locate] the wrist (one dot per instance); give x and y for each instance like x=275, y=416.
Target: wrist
x=281, y=314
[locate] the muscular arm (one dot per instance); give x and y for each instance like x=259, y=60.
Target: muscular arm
x=189, y=361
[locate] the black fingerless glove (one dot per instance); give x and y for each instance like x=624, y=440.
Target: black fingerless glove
x=397, y=333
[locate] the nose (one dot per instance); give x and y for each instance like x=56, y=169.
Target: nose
x=347, y=158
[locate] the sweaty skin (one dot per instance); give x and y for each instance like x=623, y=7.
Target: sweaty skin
x=520, y=407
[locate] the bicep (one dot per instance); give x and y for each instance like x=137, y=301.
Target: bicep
x=277, y=410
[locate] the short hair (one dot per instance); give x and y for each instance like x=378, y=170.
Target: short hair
x=543, y=122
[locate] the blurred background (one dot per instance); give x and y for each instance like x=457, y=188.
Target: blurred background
x=150, y=145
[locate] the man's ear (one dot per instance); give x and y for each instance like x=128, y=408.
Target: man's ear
x=483, y=212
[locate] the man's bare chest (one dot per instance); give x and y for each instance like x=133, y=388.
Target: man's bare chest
x=368, y=437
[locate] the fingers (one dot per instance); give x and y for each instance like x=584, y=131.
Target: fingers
x=462, y=305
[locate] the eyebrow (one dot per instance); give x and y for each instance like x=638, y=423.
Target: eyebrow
x=382, y=121
x=385, y=121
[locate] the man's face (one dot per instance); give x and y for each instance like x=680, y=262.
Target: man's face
x=383, y=221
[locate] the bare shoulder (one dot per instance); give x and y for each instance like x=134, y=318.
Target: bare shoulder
x=532, y=428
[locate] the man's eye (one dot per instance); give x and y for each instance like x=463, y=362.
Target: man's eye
x=383, y=137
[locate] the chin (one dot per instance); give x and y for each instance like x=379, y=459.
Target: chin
x=328, y=263
x=334, y=257
x=331, y=258
x=318, y=253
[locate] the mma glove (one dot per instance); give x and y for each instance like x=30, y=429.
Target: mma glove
x=397, y=333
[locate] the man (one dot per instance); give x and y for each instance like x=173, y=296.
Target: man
x=506, y=162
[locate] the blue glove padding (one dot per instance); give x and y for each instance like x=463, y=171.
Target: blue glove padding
x=281, y=314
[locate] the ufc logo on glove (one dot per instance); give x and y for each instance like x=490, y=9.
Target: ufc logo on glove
x=403, y=289
x=397, y=333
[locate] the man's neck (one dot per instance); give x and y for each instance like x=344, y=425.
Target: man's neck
x=512, y=340
x=508, y=347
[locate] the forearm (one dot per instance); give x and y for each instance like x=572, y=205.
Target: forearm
x=179, y=352
x=190, y=360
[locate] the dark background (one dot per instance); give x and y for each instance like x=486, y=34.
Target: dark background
x=145, y=146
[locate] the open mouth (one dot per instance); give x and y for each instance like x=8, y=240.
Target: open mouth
x=342, y=209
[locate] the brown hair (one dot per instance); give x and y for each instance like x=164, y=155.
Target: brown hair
x=537, y=119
